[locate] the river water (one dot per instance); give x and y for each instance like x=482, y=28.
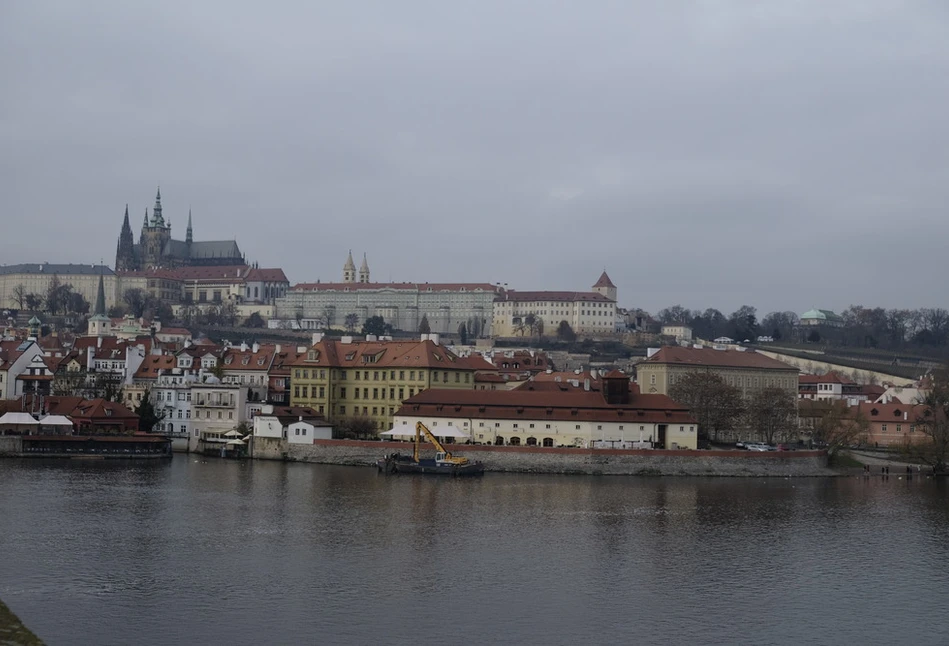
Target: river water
x=208, y=551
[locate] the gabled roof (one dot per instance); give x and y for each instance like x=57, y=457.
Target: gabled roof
x=701, y=357
x=100, y=408
x=266, y=275
x=153, y=364
x=238, y=359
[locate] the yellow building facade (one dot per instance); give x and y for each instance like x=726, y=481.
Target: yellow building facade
x=345, y=379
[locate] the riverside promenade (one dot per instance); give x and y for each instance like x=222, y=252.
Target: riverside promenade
x=13, y=632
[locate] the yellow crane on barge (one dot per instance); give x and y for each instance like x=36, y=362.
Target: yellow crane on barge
x=444, y=463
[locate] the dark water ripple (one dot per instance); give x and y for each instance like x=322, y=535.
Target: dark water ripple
x=201, y=551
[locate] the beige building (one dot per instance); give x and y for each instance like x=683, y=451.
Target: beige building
x=528, y=314
x=681, y=333
x=747, y=370
x=554, y=414
x=35, y=278
x=216, y=409
x=318, y=306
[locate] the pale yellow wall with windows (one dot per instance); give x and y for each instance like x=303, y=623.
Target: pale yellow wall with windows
x=376, y=393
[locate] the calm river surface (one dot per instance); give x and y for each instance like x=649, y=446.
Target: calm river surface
x=207, y=551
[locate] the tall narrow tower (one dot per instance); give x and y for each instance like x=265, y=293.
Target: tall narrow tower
x=349, y=269
x=155, y=236
x=125, y=250
x=189, y=237
x=605, y=287
x=99, y=323
x=364, y=270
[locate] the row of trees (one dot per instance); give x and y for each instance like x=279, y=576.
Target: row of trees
x=59, y=298
x=864, y=327
x=770, y=413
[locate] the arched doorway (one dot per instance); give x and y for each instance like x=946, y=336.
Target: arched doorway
x=548, y=441
x=499, y=441
x=515, y=441
x=531, y=441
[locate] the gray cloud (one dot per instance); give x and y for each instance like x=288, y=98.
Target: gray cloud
x=786, y=155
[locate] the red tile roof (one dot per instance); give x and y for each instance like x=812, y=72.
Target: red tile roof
x=153, y=364
x=266, y=275
x=701, y=357
x=237, y=359
x=831, y=377
x=383, y=354
x=604, y=281
x=544, y=404
x=573, y=297
x=421, y=287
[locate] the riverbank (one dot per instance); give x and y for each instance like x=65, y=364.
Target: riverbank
x=13, y=632
x=571, y=461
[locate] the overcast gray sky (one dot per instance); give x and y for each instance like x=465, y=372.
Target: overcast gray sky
x=781, y=154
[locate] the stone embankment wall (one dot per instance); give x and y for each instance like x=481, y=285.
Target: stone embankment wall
x=584, y=461
x=10, y=445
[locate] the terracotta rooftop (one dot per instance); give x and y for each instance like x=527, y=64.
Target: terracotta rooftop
x=604, y=281
x=382, y=354
x=701, y=357
x=573, y=297
x=153, y=364
x=574, y=404
x=420, y=287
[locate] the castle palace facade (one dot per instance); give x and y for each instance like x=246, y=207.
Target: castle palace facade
x=156, y=249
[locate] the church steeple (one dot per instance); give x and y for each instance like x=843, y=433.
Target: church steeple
x=100, y=297
x=349, y=269
x=364, y=270
x=99, y=323
x=189, y=238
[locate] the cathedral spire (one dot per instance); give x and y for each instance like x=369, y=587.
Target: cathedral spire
x=145, y=223
x=189, y=237
x=157, y=219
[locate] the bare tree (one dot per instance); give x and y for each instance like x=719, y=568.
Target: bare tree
x=351, y=322
x=771, y=413
x=565, y=332
x=932, y=421
x=19, y=296
x=840, y=427
x=716, y=405
x=356, y=427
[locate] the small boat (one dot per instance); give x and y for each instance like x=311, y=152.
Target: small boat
x=444, y=462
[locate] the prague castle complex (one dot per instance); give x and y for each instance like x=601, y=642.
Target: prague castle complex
x=157, y=250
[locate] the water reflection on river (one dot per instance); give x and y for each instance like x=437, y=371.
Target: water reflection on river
x=207, y=551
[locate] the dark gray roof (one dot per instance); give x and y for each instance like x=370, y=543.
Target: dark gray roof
x=215, y=249
x=48, y=268
x=202, y=250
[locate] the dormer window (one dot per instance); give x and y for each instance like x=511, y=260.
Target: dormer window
x=311, y=355
x=228, y=361
x=245, y=361
x=897, y=413
x=874, y=412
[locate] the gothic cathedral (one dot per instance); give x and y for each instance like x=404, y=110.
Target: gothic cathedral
x=157, y=250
